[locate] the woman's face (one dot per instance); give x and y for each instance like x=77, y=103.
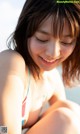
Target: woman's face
x=48, y=52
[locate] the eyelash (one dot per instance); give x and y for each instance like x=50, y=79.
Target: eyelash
x=63, y=43
x=66, y=44
x=43, y=41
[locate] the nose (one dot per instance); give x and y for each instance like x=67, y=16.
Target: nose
x=53, y=50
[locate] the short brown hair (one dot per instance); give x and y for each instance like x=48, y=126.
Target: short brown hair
x=33, y=14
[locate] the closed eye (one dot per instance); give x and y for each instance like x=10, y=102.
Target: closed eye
x=65, y=44
x=40, y=40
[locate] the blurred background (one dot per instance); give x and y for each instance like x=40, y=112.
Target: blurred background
x=9, y=13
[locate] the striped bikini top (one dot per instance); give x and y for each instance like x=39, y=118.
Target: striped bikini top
x=38, y=94
x=24, y=101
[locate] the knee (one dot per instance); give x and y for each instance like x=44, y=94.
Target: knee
x=66, y=121
x=69, y=105
x=62, y=116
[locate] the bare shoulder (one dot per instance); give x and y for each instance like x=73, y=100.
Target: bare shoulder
x=11, y=62
x=12, y=74
x=10, y=55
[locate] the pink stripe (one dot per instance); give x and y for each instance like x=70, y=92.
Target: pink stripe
x=24, y=106
x=24, y=100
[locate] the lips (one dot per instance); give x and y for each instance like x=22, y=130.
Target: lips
x=48, y=61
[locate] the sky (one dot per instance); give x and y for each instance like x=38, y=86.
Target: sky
x=9, y=13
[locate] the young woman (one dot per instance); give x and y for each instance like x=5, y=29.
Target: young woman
x=47, y=35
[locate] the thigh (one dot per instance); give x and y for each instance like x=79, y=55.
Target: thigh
x=60, y=121
x=65, y=104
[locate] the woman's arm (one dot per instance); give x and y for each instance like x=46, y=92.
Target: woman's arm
x=58, y=93
x=56, y=81
x=12, y=69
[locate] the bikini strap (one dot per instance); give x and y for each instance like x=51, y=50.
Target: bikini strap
x=28, y=81
x=24, y=101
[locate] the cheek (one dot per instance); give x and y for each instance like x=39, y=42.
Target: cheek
x=34, y=47
x=67, y=51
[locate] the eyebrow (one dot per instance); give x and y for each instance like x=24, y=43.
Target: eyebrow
x=47, y=33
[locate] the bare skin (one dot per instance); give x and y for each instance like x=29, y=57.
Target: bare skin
x=61, y=118
x=47, y=54
x=69, y=110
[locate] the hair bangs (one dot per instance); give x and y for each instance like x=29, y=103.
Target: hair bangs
x=73, y=24
x=58, y=25
x=59, y=18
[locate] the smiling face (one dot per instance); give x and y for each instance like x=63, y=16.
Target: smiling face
x=48, y=51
